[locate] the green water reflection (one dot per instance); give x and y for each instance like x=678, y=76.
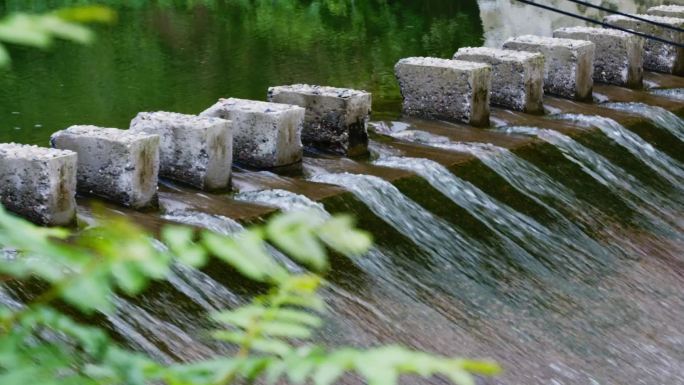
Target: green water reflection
x=171, y=56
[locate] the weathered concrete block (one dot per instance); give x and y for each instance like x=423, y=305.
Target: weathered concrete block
x=38, y=183
x=194, y=150
x=442, y=88
x=517, y=76
x=618, y=58
x=569, y=64
x=119, y=165
x=667, y=11
x=658, y=56
x=335, y=118
x=265, y=135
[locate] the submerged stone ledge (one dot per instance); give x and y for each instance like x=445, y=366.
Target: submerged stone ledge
x=569, y=64
x=39, y=183
x=618, y=58
x=667, y=11
x=335, y=119
x=119, y=165
x=658, y=56
x=194, y=150
x=442, y=88
x=517, y=76
x=265, y=135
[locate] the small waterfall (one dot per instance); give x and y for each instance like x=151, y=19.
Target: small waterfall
x=8, y=301
x=661, y=117
x=521, y=174
x=147, y=332
x=674, y=93
x=624, y=185
x=216, y=223
x=282, y=199
x=410, y=219
x=221, y=225
x=668, y=168
x=500, y=218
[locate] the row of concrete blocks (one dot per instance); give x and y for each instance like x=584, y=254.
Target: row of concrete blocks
x=124, y=165
x=518, y=75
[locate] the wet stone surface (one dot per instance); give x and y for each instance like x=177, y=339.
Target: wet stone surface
x=335, y=118
x=265, y=135
x=449, y=89
x=119, y=165
x=618, y=56
x=568, y=68
x=658, y=56
x=517, y=76
x=667, y=10
x=194, y=150
x=38, y=183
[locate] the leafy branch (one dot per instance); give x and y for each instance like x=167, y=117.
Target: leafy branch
x=40, y=31
x=272, y=334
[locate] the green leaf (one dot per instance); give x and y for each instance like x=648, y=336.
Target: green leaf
x=65, y=30
x=245, y=252
x=328, y=373
x=242, y=316
x=129, y=277
x=294, y=234
x=486, y=368
x=20, y=28
x=88, y=14
x=310, y=302
x=340, y=235
x=283, y=329
x=180, y=240
x=89, y=293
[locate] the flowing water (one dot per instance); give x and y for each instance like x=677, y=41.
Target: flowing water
x=526, y=232
x=666, y=167
x=674, y=93
x=563, y=261
x=650, y=203
x=663, y=118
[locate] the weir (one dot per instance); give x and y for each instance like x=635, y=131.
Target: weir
x=482, y=233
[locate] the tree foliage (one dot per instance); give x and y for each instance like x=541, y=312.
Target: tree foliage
x=272, y=334
x=40, y=31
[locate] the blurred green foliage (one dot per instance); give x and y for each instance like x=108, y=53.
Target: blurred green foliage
x=40, y=30
x=272, y=334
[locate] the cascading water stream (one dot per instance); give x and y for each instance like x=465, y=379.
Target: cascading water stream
x=650, y=204
x=507, y=223
x=674, y=93
x=525, y=177
x=661, y=117
x=668, y=168
x=134, y=319
x=407, y=217
x=454, y=252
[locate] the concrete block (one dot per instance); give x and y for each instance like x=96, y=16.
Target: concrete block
x=517, y=76
x=658, y=56
x=265, y=135
x=39, y=183
x=194, y=150
x=618, y=58
x=442, y=88
x=569, y=64
x=335, y=118
x=118, y=165
x=667, y=11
